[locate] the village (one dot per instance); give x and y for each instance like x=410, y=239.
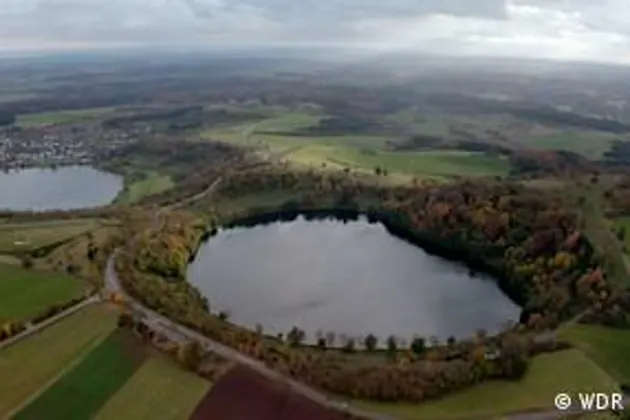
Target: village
x=60, y=145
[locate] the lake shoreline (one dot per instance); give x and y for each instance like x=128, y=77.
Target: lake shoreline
x=411, y=256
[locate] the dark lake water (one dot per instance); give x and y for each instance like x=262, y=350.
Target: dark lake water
x=352, y=278
x=65, y=188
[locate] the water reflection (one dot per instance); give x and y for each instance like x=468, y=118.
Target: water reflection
x=71, y=187
x=351, y=278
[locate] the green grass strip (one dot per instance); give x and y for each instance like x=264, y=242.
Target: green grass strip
x=82, y=392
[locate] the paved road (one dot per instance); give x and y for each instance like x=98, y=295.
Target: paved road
x=180, y=333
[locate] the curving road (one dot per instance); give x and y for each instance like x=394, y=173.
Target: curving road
x=179, y=333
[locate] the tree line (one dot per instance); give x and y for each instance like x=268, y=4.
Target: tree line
x=531, y=240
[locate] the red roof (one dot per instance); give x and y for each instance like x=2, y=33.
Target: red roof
x=243, y=394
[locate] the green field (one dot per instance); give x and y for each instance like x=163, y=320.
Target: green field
x=566, y=371
x=81, y=392
x=590, y=145
x=432, y=163
x=25, y=293
x=288, y=121
x=609, y=348
x=65, y=117
x=159, y=390
x=358, y=152
x=623, y=222
x=29, y=365
x=152, y=183
x=28, y=236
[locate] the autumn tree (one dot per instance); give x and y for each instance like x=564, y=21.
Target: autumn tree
x=370, y=342
x=418, y=345
x=392, y=344
x=190, y=354
x=450, y=342
x=349, y=346
x=296, y=336
x=513, y=357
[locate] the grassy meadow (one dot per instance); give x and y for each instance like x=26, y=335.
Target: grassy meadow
x=358, y=152
x=608, y=347
x=430, y=163
x=152, y=183
x=549, y=374
x=22, y=237
x=25, y=293
x=34, y=362
x=159, y=390
x=591, y=145
x=82, y=391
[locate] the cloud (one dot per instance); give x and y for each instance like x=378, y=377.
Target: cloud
x=567, y=29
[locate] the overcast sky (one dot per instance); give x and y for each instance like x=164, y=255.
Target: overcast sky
x=571, y=29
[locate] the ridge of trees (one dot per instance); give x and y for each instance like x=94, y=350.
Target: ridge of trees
x=530, y=239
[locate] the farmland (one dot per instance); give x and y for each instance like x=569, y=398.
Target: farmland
x=20, y=237
x=33, y=363
x=358, y=152
x=589, y=144
x=65, y=117
x=606, y=346
x=158, y=390
x=25, y=293
x=312, y=133
x=549, y=374
x=151, y=183
x=430, y=163
x=82, y=391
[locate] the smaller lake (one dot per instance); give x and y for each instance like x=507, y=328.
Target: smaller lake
x=64, y=188
x=351, y=278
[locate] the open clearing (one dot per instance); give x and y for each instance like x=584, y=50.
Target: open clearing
x=25, y=293
x=288, y=121
x=608, y=347
x=153, y=183
x=81, y=392
x=359, y=152
x=64, y=117
x=30, y=364
x=549, y=374
x=159, y=390
x=438, y=163
x=21, y=237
